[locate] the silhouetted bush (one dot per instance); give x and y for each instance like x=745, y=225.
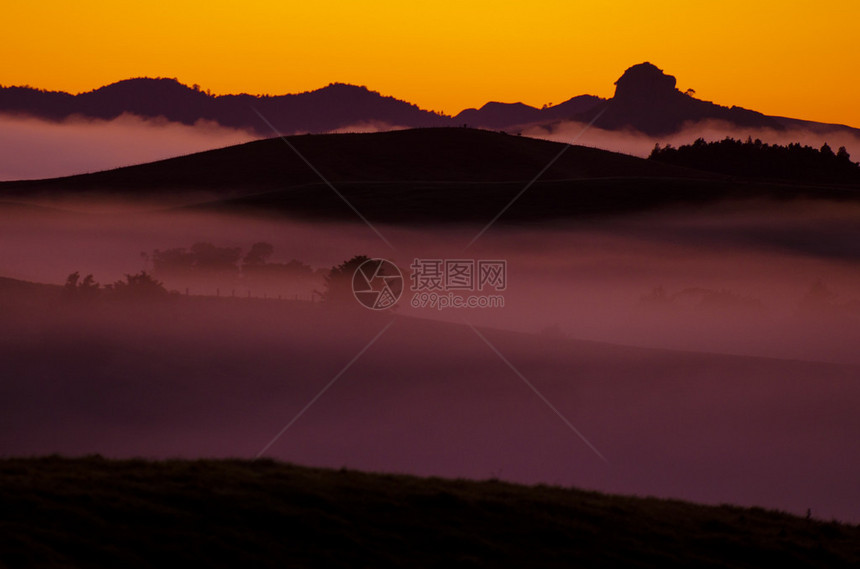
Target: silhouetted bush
x=77, y=289
x=255, y=264
x=258, y=255
x=203, y=259
x=338, y=281
x=137, y=286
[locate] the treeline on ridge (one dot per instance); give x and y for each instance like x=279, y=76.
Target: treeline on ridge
x=757, y=159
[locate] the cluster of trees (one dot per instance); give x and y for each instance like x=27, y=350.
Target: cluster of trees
x=754, y=158
x=211, y=262
x=336, y=281
x=138, y=286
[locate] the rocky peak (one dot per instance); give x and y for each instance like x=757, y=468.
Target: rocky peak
x=644, y=80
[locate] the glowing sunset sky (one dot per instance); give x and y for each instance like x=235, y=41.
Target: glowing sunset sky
x=790, y=58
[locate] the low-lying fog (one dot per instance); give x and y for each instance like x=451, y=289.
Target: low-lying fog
x=192, y=376
x=766, y=279
x=36, y=148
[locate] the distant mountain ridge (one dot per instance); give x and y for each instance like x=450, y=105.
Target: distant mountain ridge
x=332, y=107
x=507, y=115
x=646, y=100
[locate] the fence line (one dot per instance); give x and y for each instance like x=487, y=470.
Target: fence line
x=249, y=295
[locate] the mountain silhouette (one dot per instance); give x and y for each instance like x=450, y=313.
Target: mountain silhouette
x=336, y=106
x=646, y=100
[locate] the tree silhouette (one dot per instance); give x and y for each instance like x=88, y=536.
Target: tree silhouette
x=137, y=286
x=218, y=260
x=203, y=259
x=258, y=255
x=80, y=289
x=756, y=159
x=72, y=281
x=338, y=281
x=171, y=262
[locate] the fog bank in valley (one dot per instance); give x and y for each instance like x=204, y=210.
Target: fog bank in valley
x=706, y=355
x=35, y=148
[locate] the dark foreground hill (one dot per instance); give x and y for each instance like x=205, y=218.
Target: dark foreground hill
x=59, y=512
x=422, y=175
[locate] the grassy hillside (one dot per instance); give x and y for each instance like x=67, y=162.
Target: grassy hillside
x=92, y=512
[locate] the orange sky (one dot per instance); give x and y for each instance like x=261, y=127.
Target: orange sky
x=786, y=58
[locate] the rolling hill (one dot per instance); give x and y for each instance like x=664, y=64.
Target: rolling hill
x=417, y=155
x=421, y=175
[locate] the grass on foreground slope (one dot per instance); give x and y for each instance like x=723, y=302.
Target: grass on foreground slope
x=92, y=512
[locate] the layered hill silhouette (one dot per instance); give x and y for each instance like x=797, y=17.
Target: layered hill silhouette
x=645, y=100
x=420, y=175
x=511, y=115
x=335, y=106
